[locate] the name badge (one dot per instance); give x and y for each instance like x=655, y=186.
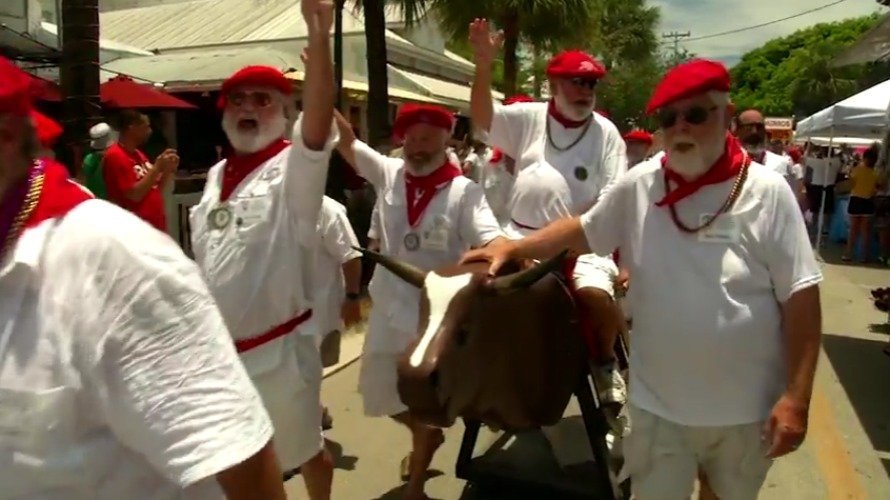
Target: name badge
x=436, y=240
x=252, y=210
x=724, y=230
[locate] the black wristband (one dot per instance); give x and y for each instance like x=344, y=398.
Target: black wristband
x=353, y=296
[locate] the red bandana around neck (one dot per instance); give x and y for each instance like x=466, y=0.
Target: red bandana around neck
x=58, y=196
x=237, y=168
x=562, y=119
x=728, y=166
x=419, y=191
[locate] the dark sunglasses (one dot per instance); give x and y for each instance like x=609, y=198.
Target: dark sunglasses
x=755, y=125
x=696, y=115
x=258, y=99
x=588, y=83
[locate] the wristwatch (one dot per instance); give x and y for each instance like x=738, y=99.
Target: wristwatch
x=353, y=296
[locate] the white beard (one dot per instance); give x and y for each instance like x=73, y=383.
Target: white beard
x=425, y=168
x=573, y=111
x=251, y=142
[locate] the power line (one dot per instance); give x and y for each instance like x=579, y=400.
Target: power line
x=676, y=36
x=768, y=23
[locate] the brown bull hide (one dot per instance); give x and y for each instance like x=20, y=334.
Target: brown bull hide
x=509, y=358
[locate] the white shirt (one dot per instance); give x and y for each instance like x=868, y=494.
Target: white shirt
x=118, y=378
x=338, y=243
x=497, y=183
x=824, y=170
x=707, y=347
x=456, y=219
x=259, y=265
x=591, y=167
x=781, y=165
x=540, y=196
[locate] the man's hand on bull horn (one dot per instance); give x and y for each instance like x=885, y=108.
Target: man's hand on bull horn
x=497, y=253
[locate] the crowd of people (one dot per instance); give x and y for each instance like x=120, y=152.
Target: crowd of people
x=128, y=370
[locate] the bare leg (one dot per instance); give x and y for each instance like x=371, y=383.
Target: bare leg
x=318, y=474
x=425, y=441
x=852, y=237
x=704, y=487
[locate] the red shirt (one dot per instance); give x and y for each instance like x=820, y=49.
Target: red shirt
x=122, y=170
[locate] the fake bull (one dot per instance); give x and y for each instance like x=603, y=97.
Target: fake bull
x=505, y=351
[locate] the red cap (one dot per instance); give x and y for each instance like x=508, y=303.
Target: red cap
x=688, y=79
x=795, y=154
x=411, y=114
x=15, y=89
x=265, y=76
x=638, y=136
x=48, y=131
x=517, y=98
x=575, y=64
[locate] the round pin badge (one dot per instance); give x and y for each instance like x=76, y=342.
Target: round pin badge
x=412, y=241
x=220, y=217
x=581, y=173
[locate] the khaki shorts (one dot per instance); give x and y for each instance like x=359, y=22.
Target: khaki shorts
x=662, y=458
x=330, y=349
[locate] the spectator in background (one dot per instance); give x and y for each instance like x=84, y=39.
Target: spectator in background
x=862, y=204
x=101, y=137
x=132, y=181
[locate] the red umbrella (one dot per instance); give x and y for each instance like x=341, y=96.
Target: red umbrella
x=123, y=92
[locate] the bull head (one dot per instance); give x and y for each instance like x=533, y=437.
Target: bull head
x=451, y=304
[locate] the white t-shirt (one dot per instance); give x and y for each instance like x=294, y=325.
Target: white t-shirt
x=118, y=378
x=779, y=164
x=540, y=196
x=338, y=243
x=708, y=345
x=824, y=170
x=456, y=219
x=591, y=167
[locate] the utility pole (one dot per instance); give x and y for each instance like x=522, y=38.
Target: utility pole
x=676, y=37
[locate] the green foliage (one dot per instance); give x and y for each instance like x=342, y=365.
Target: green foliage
x=792, y=75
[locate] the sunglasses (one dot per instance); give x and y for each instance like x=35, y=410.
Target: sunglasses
x=588, y=83
x=257, y=99
x=696, y=115
x=755, y=125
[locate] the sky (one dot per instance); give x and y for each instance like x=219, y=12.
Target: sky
x=705, y=17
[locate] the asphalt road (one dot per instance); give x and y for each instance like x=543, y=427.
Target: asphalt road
x=846, y=455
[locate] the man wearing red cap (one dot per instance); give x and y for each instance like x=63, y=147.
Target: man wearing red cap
x=725, y=301
x=428, y=215
x=118, y=379
x=638, y=143
x=587, y=149
x=255, y=234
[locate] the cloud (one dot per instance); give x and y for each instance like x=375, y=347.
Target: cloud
x=705, y=17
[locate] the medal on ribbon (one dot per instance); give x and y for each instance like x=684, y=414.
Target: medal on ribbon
x=220, y=217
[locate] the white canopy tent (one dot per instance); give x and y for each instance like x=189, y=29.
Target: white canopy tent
x=838, y=141
x=862, y=115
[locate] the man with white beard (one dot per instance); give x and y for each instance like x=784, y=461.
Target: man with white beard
x=428, y=215
x=254, y=234
x=587, y=149
x=727, y=320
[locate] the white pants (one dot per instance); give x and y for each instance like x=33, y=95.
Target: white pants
x=662, y=458
x=295, y=413
x=378, y=384
x=594, y=271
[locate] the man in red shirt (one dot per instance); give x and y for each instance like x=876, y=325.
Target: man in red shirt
x=132, y=181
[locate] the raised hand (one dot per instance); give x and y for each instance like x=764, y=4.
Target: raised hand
x=486, y=44
x=318, y=15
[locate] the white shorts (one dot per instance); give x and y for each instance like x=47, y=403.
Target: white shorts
x=378, y=385
x=662, y=458
x=594, y=271
x=295, y=414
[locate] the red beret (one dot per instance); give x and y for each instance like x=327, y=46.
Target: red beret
x=15, y=89
x=574, y=64
x=638, y=136
x=412, y=114
x=264, y=76
x=48, y=131
x=688, y=79
x=517, y=98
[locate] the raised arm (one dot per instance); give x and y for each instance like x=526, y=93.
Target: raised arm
x=318, y=89
x=485, y=48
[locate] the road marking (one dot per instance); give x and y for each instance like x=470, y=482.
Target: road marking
x=838, y=472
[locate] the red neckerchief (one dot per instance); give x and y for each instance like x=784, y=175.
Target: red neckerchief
x=562, y=119
x=58, y=196
x=237, y=168
x=420, y=191
x=728, y=166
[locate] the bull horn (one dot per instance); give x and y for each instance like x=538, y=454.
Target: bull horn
x=407, y=272
x=530, y=276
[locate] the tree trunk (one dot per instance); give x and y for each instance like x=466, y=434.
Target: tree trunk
x=510, y=23
x=537, y=81
x=79, y=77
x=378, y=81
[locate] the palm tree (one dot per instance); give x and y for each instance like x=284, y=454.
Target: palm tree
x=79, y=75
